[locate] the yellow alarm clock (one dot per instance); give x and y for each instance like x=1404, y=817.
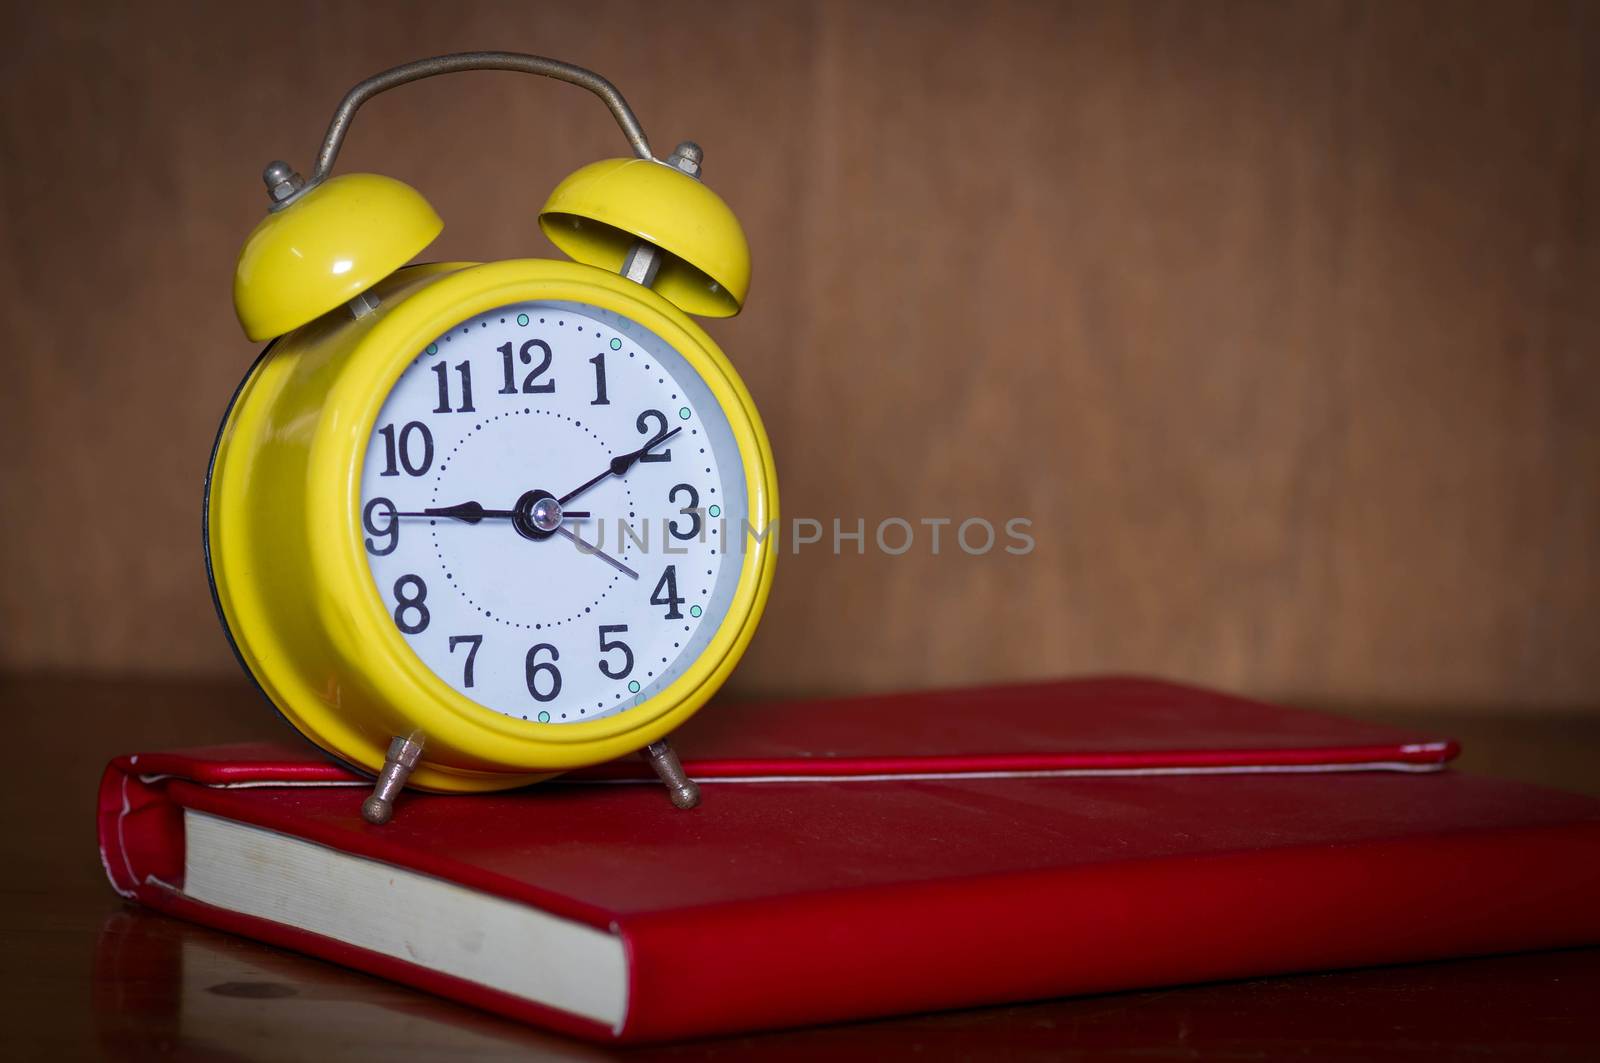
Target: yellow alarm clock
x=472, y=525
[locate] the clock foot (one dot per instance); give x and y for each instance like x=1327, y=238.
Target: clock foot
x=684, y=791
x=397, y=766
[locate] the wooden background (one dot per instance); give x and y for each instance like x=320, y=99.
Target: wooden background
x=1279, y=320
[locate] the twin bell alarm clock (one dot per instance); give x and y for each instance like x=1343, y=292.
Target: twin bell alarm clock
x=469, y=526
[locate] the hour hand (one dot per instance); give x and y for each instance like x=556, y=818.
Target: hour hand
x=466, y=512
x=473, y=512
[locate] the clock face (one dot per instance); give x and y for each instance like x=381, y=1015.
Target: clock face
x=545, y=502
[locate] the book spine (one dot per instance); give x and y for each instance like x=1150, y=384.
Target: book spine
x=1006, y=938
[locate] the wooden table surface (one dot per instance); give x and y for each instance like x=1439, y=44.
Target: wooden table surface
x=86, y=975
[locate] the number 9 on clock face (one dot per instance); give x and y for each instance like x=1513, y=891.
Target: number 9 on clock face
x=551, y=504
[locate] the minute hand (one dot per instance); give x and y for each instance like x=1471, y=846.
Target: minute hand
x=619, y=465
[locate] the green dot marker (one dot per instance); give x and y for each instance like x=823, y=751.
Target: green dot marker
x=522, y=319
x=694, y=610
x=544, y=717
x=633, y=687
x=684, y=413
x=616, y=345
x=715, y=511
x=433, y=348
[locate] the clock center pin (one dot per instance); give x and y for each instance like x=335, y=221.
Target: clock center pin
x=547, y=514
x=537, y=515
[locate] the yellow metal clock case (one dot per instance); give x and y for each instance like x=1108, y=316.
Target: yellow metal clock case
x=288, y=563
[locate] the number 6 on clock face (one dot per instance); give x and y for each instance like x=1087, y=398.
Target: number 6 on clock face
x=523, y=569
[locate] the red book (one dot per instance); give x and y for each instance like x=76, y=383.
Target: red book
x=869, y=856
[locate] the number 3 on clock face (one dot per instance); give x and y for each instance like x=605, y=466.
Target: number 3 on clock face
x=550, y=505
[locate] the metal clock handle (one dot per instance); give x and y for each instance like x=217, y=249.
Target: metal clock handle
x=284, y=185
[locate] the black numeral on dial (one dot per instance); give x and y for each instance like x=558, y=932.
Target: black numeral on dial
x=535, y=666
x=607, y=645
x=660, y=430
x=464, y=370
x=692, y=511
x=666, y=593
x=472, y=654
x=410, y=605
x=390, y=530
x=525, y=354
x=414, y=435
x=599, y=363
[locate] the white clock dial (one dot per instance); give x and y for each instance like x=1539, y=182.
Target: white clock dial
x=509, y=445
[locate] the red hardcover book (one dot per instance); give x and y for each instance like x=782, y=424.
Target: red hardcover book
x=869, y=856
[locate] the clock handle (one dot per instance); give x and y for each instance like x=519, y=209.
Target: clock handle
x=433, y=66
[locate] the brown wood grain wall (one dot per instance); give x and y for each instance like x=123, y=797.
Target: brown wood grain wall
x=1279, y=321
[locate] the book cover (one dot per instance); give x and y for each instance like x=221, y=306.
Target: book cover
x=864, y=857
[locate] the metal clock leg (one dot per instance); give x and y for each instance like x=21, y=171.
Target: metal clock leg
x=684, y=791
x=397, y=766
